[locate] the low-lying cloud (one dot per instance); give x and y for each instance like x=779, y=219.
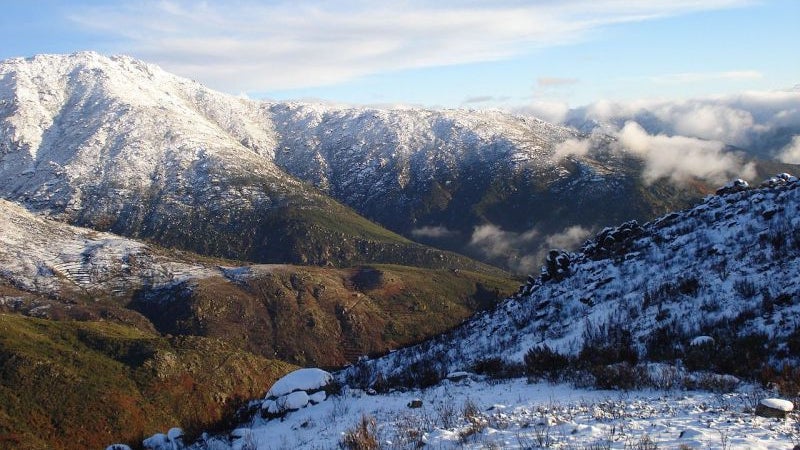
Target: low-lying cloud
x=524, y=252
x=790, y=154
x=761, y=122
x=681, y=158
x=433, y=232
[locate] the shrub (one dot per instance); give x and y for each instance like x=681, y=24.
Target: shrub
x=623, y=376
x=607, y=344
x=496, y=367
x=543, y=362
x=363, y=436
x=664, y=343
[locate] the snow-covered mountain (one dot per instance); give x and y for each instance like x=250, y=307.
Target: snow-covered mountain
x=728, y=269
x=117, y=144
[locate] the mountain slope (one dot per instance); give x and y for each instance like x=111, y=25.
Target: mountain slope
x=77, y=385
x=727, y=268
x=305, y=315
x=122, y=146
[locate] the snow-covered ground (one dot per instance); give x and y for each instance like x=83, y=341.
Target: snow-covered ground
x=516, y=415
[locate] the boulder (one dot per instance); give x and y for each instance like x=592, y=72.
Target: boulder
x=296, y=390
x=317, y=397
x=774, y=407
x=312, y=379
x=416, y=403
x=457, y=376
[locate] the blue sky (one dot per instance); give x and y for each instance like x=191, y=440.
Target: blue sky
x=455, y=54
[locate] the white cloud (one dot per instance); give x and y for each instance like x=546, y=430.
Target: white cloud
x=524, y=252
x=791, y=153
x=433, y=232
x=572, y=147
x=681, y=158
x=759, y=121
x=258, y=46
x=555, y=81
x=568, y=239
x=551, y=111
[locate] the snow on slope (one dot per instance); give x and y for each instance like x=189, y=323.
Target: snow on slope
x=735, y=257
x=724, y=259
x=361, y=154
x=69, y=124
x=48, y=257
x=514, y=414
x=119, y=131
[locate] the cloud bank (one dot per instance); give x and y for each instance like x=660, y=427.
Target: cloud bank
x=761, y=122
x=256, y=46
x=524, y=252
x=681, y=158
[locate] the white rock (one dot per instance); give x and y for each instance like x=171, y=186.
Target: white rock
x=239, y=433
x=157, y=441
x=118, y=447
x=317, y=397
x=295, y=400
x=457, y=376
x=268, y=404
x=300, y=380
x=175, y=433
x=779, y=404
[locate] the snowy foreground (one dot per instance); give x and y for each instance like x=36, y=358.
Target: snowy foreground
x=514, y=414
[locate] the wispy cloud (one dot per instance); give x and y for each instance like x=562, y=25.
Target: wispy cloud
x=702, y=77
x=251, y=46
x=524, y=252
x=433, y=232
x=555, y=81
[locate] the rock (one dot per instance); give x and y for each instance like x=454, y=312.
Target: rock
x=416, y=403
x=457, y=376
x=294, y=401
x=701, y=340
x=158, y=441
x=734, y=186
x=118, y=447
x=240, y=433
x=312, y=379
x=295, y=391
x=175, y=433
x=317, y=397
x=774, y=407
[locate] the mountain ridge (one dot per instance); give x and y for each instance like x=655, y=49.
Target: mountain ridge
x=122, y=146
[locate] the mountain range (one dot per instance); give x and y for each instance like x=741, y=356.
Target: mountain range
x=119, y=145
x=154, y=232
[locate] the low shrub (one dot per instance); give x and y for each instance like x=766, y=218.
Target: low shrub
x=363, y=436
x=543, y=362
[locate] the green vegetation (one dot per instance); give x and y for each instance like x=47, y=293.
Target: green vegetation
x=324, y=317
x=77, y=385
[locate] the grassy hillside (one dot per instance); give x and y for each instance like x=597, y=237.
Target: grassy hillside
x=77, y=385
x=323, y=317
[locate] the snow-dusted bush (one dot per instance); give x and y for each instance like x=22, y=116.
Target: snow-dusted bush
x=363, y=436
x=543, y=362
